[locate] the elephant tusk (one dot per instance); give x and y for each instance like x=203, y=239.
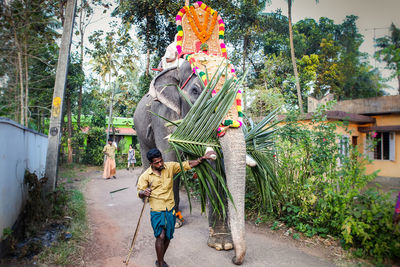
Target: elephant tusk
x=250, y=161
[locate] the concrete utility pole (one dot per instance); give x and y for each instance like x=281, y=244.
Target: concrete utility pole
x=54, y=138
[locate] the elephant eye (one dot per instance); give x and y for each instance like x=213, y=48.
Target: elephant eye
x=196, y=91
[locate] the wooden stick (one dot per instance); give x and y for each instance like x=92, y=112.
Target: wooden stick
x=126, y=261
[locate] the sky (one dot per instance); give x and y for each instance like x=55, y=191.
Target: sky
x=375, y=17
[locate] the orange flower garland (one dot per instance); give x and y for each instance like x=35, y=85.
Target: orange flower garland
x=201, y=30
x=221, y=28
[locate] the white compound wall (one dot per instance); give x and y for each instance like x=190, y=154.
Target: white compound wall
x=20, y=149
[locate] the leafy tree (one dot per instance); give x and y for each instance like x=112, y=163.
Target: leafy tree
x=95, y=142
x=274, y=87
x=308, y=66
x=389, y=51
x=75, y=81
x=360, y=80
x=275, y=40
x=341, y=68
x=245, y=25
x=151, y=19
x=329, y=77
x=84, y=15
x=27, y=32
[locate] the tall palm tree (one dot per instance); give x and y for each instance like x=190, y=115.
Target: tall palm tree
x=105, y=63
x=296, y=74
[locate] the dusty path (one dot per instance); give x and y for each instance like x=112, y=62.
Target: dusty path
x=113, y=219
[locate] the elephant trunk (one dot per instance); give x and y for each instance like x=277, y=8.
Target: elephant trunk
x=234, y=150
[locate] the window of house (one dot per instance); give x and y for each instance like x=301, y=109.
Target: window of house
x=344, y=142
x=384, y=148
x=354, y=140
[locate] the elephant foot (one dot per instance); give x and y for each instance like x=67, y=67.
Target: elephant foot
x=220, y=240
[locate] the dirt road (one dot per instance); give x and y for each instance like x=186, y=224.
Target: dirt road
x=113, y=218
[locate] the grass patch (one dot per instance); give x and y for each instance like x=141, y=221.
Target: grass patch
x=68, y=174
x=69, y=251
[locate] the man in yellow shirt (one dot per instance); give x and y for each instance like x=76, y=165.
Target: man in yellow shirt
x=109, y=165
x=156, y=183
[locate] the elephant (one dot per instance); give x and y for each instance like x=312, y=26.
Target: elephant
x=165, y=100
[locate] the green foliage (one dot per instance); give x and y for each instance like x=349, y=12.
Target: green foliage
x=98, y=119
x=269, y=91
x=198, y=130
x=389, y=51
x=329, y=78
x=322, y=188
x=153, y=19
x=328, y=56
x=69, y=252
x=259, y=146
x=28, y=59
x=94, y=149
x=7, y=232
x=369, y=227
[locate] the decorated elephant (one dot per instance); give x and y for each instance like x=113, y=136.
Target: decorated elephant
x=165, y=100
x=200, y=40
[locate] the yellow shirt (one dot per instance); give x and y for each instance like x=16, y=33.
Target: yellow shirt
x=110, y=149
x=162, y=195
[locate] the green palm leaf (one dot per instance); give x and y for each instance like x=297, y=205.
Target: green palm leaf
x=198, y=130
x=259, y=145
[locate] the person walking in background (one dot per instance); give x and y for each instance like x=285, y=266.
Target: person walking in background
x=131, y=157
x=109, y=165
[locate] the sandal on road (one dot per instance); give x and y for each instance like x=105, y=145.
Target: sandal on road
x=178, y=223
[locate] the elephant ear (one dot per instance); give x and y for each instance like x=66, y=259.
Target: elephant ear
x=164, y=89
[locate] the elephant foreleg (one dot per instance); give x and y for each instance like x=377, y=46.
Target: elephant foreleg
x=220, y=236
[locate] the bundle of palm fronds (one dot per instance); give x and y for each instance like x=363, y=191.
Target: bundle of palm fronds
x=198, y=130
x=259, y=140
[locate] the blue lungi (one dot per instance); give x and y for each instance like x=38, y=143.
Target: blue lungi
x=163, y=220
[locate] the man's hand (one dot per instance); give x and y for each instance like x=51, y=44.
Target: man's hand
x=145, y=193
x=210, y=155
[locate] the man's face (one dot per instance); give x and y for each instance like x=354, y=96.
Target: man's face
x=110, y=142
x=157, y=164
